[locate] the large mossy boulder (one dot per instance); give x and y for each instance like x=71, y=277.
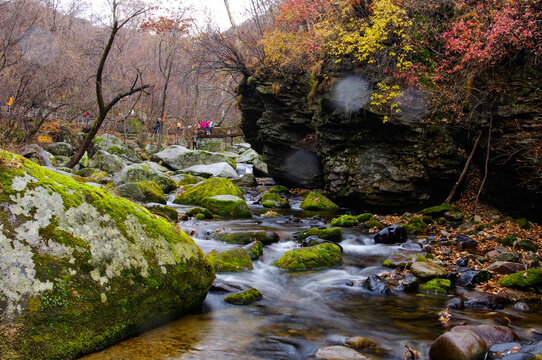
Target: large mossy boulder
x=233, y=260
x=321, y=256
x=82, y=269
x=272, y=200
x=523, y=280
x=177, y=157
x=317, y=201
x=146, y=171
x=93, y=175
x=116, y=146
x=194, y=194
x=345, y=221
x=246, y=237
x=332, y=234
x=145, y=192
x=61, y=148
x=217, y=170
x=227, y=206
x=107, y=162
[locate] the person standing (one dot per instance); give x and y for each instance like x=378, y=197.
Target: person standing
x=85, y=119
x=211, y=126
x=157, y=127
x=195, y=142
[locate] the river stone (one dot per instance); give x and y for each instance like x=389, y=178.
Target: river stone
x=427, y=270
x=391, y=234
x=331, y=234
x=436, y=286
x=177, y=157
x=246, y=237
x=93, y=175
x=116, y=146
x=317, y=201
x=227, y=206
x=233, y=260
x=496, y=351
x=345, y=221
x=247, y=180
x=254, y=249
x=217, y=170
x=315, y=257
x=60, y=148
x=82, y=269
x=360, y=343
x=401, y=260
x=376, y=284
x=145, y=192
x=339, y=352
x=469, y=279
x=163, y=210
x=107, y=162
x=458, y=345
x=192, y=212
x=145, y=171
x=490, y=334
x=272, y=200
x=505, y=267
x=465, y=243
x=484, y=299
x=523, y=280
x=194, y=194
x=244, y=298
x=509, y=256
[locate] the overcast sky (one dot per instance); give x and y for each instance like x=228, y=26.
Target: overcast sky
x=214, y=8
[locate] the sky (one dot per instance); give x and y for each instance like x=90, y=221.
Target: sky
x=215, y=9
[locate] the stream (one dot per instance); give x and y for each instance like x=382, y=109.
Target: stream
x=304, y=311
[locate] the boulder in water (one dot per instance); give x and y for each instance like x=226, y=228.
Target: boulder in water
x=216, y=170
x=272, y=200
x=317, y=201
x=254, y=249
x=227, y=206
x=391, y=235
x=427, y=270
x=233, y=260
x=244, y=298
x=194, y=194
x=246, y=237
x=316, y=257
x=332, y=234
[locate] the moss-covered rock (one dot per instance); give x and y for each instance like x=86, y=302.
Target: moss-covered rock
x=194, y=194
x=246, y=237
x=523, y=223
x=60, y=148
x=400, y=260
x=244, y=298
x=345, y=221
x=186, y=179
x=523, y=280
x=227, y=206
x=116, y=146
x=92, y=175
x=332, y=234
x=527, y=245
x=317, y=201
x=374, y=224
x=416, y=226
x=436, y=286
x=86, y=269
x=107, y=162
x=279, y=189
x=145, y=191
x=163, y=210
x=145, y=171
x=438, y=211
x=199, y=210
x=272, y=200
x=508, y=240
x=254, y=249
x=364, y=217
x=233, y=260
x=177, y=157
x=320, y=256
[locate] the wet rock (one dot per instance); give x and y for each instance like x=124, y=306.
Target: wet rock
x=427, y=270
x=523, y=280
x=436, y=286
x=247, y=180
x=521, y=306
x=317, y=201
x=233, y=260
x=533, y=348
x=401, y=260
x=455, y=303
x=504, y=267
x=272, y=200
x=462, y=262
x=391, y=234
x=482, y=299
x=244, y=298
x=227, y=206
x=458, y=345
x=377, y=285
x=465, y=243
x=315, y=240
x=163, y=210
x=192, y=212
x=400, y=280
x=496, y=351
x=345, y=221
x=254, y=249
x=520, y=356
x=360, y=343
x=469, y=279
x=331, y=234
x=246, y=237
x=316, y=257
x=221, y=286
x=338, y=352
x=491, y=334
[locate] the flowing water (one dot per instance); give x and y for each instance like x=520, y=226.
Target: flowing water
x=304, y=311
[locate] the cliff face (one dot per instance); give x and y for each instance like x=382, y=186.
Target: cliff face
x=360, y=160
x=364, y=162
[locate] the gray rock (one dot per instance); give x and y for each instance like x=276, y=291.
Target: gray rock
x=116, y=146
x=220, y=170
x=247, y=180
x=145, y=171
x=102, y=160
x=339, y=352
x=178, y=157
x=458, y=345
x=427, y=270
x=505, y=267
x=33, y=151
x=145, y=192
x=61, y=148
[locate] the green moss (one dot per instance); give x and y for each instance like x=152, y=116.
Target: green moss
x=315, y=257
x=523, y=223
x=523, y=279
x=163, y=210
x=194, y=194
x=244, y=298
x=421, y=258
x=227, y=206
x=527, y=245
x=374, y=224
x=345, y=221
x=145, y=191
x=188, y=179
x=199, y=210
x=436, y=286
x=364, y=217
x=234, y=260
x=94, y=175
x=279, y=189
x=509, y=240
x=246, y=237
x=439, y=210
x=255, y=251
x=415, y=225
x=317, y=201
x=272, y=200
x=331, y=234
x=199, y=217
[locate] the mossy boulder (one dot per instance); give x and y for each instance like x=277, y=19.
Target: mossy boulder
x=84, y=269
x=523, y=223
x=523, y=280
x=177, y=157
x=199, y=211
x=254, y=249
x=217, y=170
x=364, y=217
x=60, y=160
x=107, y=162
x=374, y=224
x=233, y=260
x=400, y=260
x=145, y=191
x=145, y=171
x=317, y=201
x=508, y=240
x=332, y=234
x=246, y=237
x=345, y=221
x=279, y=189
x=321, y=256
x=427, y=270
x=527, y=245
x=61, y=148
x=416, y=226
x=438, y=211
x=436, y=286
x=186, y=179
x=116, y=146
x=194, y=194
x=93, y=175
x=227, y=206
x=163, y=210
x=244, y=298
x=272, y=200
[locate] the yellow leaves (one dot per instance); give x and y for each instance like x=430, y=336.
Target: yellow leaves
x=385, y=100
